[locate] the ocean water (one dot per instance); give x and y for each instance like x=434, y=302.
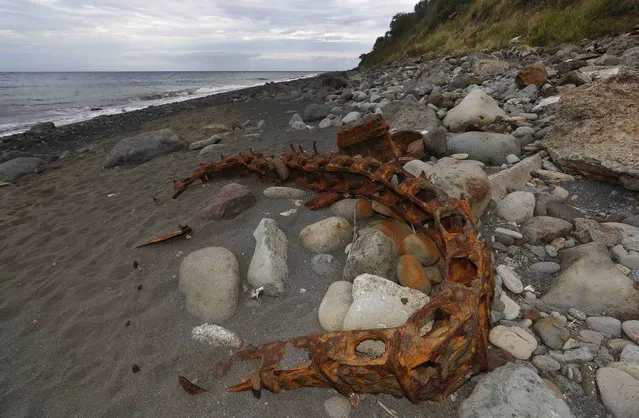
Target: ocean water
x=63, y=98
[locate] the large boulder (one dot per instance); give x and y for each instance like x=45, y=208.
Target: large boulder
x=513, y=390
x=210, y=280
x=13, y=169
x=147, y=146
x=487, y=147
x=590, y=282
x=408, y=115
x=476, y=110
x=462, y=180
x=268, y=267
x=596, y=130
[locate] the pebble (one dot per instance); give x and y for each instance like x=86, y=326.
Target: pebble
x=511, y=308
x=517, y=207
x=516, y=341
x=510, y=279
x=546, y=363
x=578, y=355
x=284, y=192
x=577, y=314
x=570, y=344
x=591, y=339
x=630, y=353
x=631, y=329
x=507, y=233
x=552, y=332
x=335, y=305
x=606, y=325
x=216, y=336
x=618, y=344
x=544, y=268
x=461, y=156
x=512, y=159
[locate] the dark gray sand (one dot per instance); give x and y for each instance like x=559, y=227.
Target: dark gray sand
x=68, y=288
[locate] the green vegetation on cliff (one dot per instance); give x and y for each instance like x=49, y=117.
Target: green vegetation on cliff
x=439, y=27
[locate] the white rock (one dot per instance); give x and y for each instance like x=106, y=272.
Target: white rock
x=508, y=232
x=512, y=309
x=514, y=340
x=377, y=303
x=295, y=119
x=545, y=102
x=477, y=108
x=517, y=207
x=205, y=142
x=631, y=329
x=327, y=235
x=630, y=353
x=510, y=279
x=216, y=335
x=335, y=305
x=512, y=159
x=210, y=280
x=268, y=267
x=417, y=167
x=284, y=192
x=351, y=117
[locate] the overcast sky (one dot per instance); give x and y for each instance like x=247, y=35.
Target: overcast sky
x=112, y=35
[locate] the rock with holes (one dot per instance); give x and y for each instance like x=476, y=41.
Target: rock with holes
x=513, y=390
x=380, y=303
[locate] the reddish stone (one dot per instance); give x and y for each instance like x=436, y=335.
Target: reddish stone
x=229, y=202
x=534, y=74
x=410, y=273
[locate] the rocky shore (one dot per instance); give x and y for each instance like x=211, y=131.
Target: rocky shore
x=544, y=147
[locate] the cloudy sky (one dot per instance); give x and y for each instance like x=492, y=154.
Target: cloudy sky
x=144, y=35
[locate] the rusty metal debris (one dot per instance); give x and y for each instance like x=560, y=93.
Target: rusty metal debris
x=189, y=387
x=184, y=229
x=440, y=346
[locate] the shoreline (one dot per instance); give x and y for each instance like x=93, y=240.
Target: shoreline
x=74, y=136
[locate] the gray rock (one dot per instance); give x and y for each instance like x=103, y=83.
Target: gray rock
x=517, y=206
x=477, y=109
x=590, y=282
x=577, y=314
x=212, y=149
x=487, y=147
x=299, y=126
x=513, y=390
x=630, y=57
x=511, y=308
x=591, y=339
x=210, y=280
x=15, y=168
x=462, y=178
x=544, y=268
x=632, y=220
x=522, y=131
x=326, y=266
x=228, y=202
x=278, y=192
x=141, y=148
x=372, y=253
x=606, y=325
x=294, y=119
x=268, y=268
x=436, y=142
x=510, y=279
x=348, y=208
x=515, y=340
x=631, y=329
x=587, y=230
x=335, y=305
x=327, y=235
x=380, y=303
x=205, y=142
x=631, y=368
x=546, y=363
x=352, y=117
x=42, y=127
x=338, y=407
x=578, y=355
x=619, y=392
x=630, y=354
x=512, y=159
x=407, y=115
x=629, y=235
x=552, y=331
x=545, y=229
x=315, y=112
x=507, y=236
x=563, y=211
x=628, y=259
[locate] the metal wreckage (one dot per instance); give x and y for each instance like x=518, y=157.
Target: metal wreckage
x=439, y=347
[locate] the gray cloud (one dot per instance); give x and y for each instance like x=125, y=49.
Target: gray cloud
x=60, y=35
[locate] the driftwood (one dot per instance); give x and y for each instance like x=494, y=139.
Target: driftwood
x=440, y=346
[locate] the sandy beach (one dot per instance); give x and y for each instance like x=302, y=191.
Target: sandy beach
x=76, y=315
